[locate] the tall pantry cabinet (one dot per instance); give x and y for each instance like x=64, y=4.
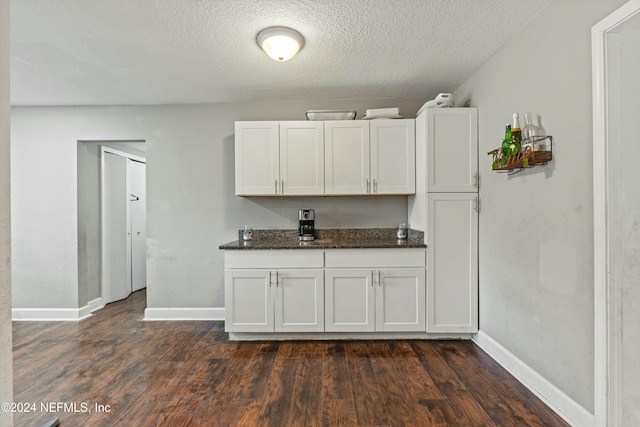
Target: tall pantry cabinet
x=446, y=207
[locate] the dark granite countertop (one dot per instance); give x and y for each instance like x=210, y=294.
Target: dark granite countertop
x=332, y=238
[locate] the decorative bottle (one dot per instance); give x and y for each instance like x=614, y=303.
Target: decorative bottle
x=541, y=130
x=506, y=145
x=541, y=145
x=529, y=128
x=516, y=135
x=528, y=131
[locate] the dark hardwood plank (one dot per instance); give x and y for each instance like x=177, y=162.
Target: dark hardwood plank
x=335, y=374
x=368, y=395
x=307, y=390
x=190, y=374
x=403, y=403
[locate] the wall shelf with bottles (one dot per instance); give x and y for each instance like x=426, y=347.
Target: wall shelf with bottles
x=535, y=151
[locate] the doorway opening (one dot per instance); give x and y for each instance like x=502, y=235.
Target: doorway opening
x=111, y=220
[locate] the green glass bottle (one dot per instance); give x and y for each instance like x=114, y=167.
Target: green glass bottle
x=506, y=145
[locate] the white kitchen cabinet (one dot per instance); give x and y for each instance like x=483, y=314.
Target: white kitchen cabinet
x=301, y=158
x=299, y=300
x=370, y=157
x=452, y=262
x=393, y=156
x=279, y=158
x=445, y=208
x=248, y=301
x=400, y=300
x=451, y=139
x=262, y=294
x=346, y=146
x=349, y=300
x=388, y=296
x=257, y=158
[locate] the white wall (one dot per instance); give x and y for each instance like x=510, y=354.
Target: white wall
x=6, y=356
x=88, y=222
x=536, y=228
x=627, y=204
x=191, y=207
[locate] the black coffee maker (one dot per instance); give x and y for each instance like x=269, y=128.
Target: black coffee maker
x=306, y=227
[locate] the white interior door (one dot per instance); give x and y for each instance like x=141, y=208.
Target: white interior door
x=136, y=177
x=115, y=259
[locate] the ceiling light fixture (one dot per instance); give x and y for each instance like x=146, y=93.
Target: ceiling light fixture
x=280, y=43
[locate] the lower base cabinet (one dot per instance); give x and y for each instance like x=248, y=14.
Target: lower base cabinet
x=375, y=300
x=287, y=300
x=344, y=290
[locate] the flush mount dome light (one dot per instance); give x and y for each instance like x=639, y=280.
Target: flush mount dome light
x=280, y=43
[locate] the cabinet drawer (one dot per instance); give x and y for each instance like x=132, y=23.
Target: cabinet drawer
x=272, y=259
x=358, y=258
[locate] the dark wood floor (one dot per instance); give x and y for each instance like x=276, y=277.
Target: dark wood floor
x=189, y=374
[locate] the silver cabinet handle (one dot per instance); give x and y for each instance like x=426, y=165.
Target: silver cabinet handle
x=276, y=279
x=269, y=278
x=276, y=184
x=372, y=281
x=379, y=281
x=368, y=186
x=282, y=186
x=375, y=186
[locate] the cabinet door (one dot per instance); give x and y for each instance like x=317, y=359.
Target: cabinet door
x=299, y=301
x=393, y=156
x=346, y=157
x=256, y=158
x=400, y=300
x=452, y=149
x=248, y=301
x=452, y=263
x=301, y=158
x=349, y=300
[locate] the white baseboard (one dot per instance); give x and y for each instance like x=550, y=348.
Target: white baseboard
x=563, y=405
x=170, y=313
x=95, y=304
x=56, y=314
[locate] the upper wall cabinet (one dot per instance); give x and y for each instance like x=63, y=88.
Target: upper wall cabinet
x=451, y=149
x=393, y=156
x=279, y=158
x=257, y=158
x=370, y=157
x=340, y=157
x=346, y=149
x=301, y=158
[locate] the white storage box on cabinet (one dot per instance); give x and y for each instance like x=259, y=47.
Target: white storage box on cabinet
x=385, y=292
x=279, y=158
x=452, y=263
x=274, y=299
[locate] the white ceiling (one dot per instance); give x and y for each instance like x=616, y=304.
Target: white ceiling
x=101, y=52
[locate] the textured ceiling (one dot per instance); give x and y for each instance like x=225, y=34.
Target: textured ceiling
x=97, y=52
